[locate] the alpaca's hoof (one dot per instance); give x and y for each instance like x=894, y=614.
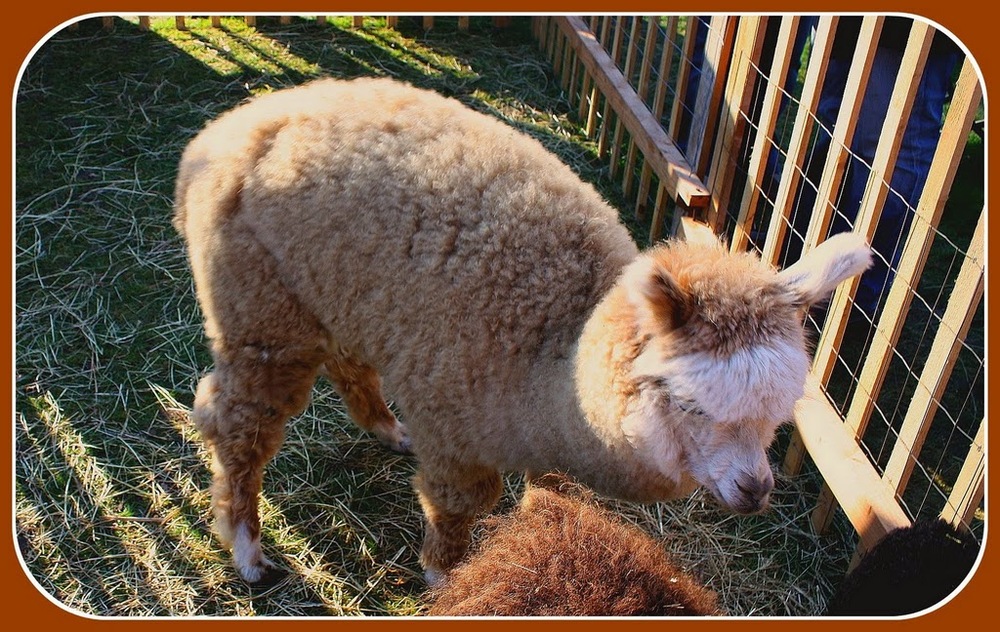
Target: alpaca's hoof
x=269, y=578
x=396, y=438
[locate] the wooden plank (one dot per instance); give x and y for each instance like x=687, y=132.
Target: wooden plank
x=948, y=341
x=629, y=68
x=667, y=161
x=358, y=21
x=586, y=95
x=712, y=86
x=900, y=105
x=392, y=21
x=502, y=21
x=843, y=130
x=765, y=131
x=659, y=210
x=605, y=30
x=143, y=22
x=683, y=77
x=463, y=23
x=179, y=23
x=691, y=230
x=616, y=47
x=951, y=146
x=790, y=174
x=108, y=23
x=868, y=502
x=287, y=19
x=967, y=492
x=798, y=146
x=642, y=90
x=251, y=20
x=217, y=21
x=896, y=118
x=659, y=101
x=738, y=95
x=428, y=22
x=321, y=20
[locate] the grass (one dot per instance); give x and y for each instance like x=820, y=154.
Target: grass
x=112, y=508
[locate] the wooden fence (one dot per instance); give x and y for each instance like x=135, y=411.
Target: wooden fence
x=707, y=159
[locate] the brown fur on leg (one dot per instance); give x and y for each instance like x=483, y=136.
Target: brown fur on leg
x=450, y=510
x=241, y=410
x=560, y=555
x=361, y=389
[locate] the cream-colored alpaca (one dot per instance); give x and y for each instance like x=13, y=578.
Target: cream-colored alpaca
x=368, y=230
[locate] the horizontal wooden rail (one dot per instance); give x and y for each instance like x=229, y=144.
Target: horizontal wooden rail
x=658, y=149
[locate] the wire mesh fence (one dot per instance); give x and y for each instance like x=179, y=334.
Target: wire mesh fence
x=802, y=127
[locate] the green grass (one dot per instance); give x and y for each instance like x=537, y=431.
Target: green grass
x=112, y=508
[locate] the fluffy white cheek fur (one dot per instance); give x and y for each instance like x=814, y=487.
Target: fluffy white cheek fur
x=759, y=383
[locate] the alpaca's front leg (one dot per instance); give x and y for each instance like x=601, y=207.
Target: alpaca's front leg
x=452, y=496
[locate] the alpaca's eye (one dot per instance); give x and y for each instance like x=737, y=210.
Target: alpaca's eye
x=689, y=407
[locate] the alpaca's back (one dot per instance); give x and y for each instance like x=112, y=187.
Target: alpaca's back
x=407, y=222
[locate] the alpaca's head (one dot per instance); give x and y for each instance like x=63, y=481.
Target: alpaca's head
x=724, y=358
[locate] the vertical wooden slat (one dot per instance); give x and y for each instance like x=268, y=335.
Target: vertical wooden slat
x=501, y=21
x=738, y=93
x=797, y=150
x=358, y=21
x=463, y=23
x=954, y=134
x=683, y=77
x=765, y=131
x=616, y=143
x=967, y=492
x=588, y=95
x=217, y=21
x=616, y=48
x=251, y=20
x=392, y=21
x=712, y=85
x=108, y=23
x=659, y=102
x=948, y=341
x=179, y=23
x=843, y=130
x=592, y=111
x=428, y=22
x=143, y=22
x=900, y=104
x=287, y=19
x=642, y=89
x=321, y=20
x=659, y=210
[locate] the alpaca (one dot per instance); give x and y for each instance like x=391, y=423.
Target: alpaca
x=388, y=237
x=910, y=569
x=559, y=554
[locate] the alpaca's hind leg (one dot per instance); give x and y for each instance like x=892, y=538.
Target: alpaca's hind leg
x=361, y=389
x=240, y=410
x=452, y=498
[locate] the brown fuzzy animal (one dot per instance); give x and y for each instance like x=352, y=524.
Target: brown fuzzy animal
x=560, y=555
x=371, y=231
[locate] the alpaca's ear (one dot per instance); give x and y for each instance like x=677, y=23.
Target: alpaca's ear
x=661, y=303
x=813, y=277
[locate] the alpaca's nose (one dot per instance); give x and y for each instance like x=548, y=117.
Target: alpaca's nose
x=754, y=493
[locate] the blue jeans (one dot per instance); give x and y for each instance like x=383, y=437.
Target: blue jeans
x=912, y=165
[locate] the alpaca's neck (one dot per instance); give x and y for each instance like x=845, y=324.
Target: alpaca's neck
x=594, y=395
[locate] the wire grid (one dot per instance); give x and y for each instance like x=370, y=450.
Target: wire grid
x=960, y=409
